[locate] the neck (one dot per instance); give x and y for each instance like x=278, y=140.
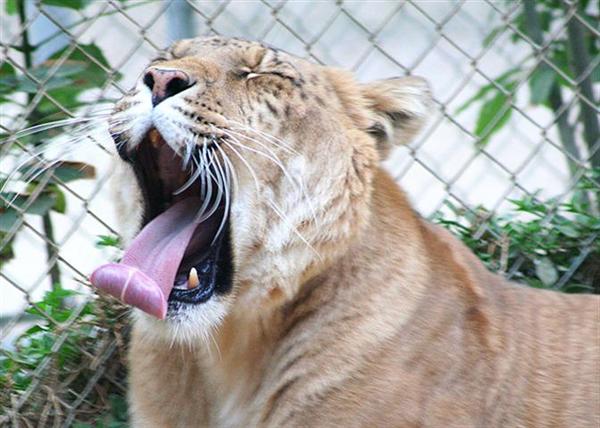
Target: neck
x=248, y=344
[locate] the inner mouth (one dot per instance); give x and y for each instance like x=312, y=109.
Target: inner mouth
x=164, y=179
x=182, y=255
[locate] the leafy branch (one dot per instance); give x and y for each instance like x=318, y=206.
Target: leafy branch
x=574, y=69
x=66, y=75
x=79, y=341
x=545, y=244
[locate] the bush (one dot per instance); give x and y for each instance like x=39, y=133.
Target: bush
x=547, y=244
x=69, y=366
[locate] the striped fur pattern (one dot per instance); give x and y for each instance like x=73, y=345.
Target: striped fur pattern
x=348, y=309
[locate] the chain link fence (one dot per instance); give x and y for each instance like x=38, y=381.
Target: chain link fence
x=510, y=160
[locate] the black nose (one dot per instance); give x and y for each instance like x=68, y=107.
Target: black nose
x=166, y=83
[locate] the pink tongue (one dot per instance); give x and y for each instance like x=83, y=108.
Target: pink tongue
x=146, y=275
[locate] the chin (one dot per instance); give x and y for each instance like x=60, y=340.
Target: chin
x=186, y=324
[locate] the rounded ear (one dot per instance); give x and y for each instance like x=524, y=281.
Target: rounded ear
x=398, y=109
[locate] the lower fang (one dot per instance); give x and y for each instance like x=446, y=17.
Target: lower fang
x=193, y=280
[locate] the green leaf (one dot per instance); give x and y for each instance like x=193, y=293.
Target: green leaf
x=8, y=219
x=93, y=75
x=491, y=36
x=6, y=70
x=540, y=84
x=118, y=407
x=21, y=380
x=82, y=54
x=6, y=252
x=595, y=75
x=71, y=4
x=568, y=229
x=493, y=115
x=42, y=204
x=530, y=204
x=108, y=241
x=65, y=75
x=11, y=7
x=69, y=171
x=36, y=328
x=545, y=20
x=7, y=78
x=502, y=80
x=558, y=55
x=60, y=204
x=578, y=288
x=53, y=304
x=65, y=172
x=8, y=215
x=519, y=22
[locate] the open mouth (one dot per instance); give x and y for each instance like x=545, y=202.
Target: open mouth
x=182, y=255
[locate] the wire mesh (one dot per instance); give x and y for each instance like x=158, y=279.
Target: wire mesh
x=537, y=150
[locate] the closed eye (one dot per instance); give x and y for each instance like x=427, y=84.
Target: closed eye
x=248, y=74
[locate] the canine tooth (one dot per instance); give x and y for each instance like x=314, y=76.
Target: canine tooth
x=193, y=280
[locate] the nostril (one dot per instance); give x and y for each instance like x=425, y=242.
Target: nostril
x=176, y=85
x=149, y=80
x=164, y=83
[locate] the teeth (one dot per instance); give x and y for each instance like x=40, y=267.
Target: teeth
x=193, y=280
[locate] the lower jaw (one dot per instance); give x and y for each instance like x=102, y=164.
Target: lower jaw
x=215, y=273
x=191, y=298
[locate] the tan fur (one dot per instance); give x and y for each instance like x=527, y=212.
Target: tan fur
x=387, y=321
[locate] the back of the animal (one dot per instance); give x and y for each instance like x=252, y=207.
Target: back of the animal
x=549, y=372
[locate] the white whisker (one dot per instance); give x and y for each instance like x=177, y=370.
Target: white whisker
x=193, y=177
x=206, y=195
x=284, y=218
x=187, y=154
x=270, y=138
x=217, y=199
x=259, y=142
x=51, y=125
x=230, y=168
x=36, y=155
x=273, y=157
x=298, y=184
x=39, y=159
x=226, y=184
x=215, y=172
x=272, y=204
x=246, y=164
x=202, y=160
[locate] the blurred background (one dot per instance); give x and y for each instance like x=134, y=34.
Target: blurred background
x=509, y=161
